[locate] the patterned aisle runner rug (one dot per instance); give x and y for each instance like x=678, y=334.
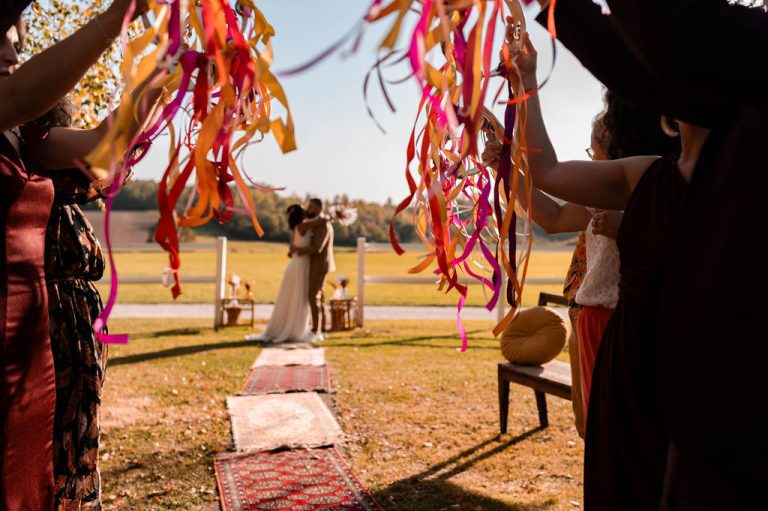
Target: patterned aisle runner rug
x=281, y=357
x=290, y=480
x=281, y=379
x=261, y=423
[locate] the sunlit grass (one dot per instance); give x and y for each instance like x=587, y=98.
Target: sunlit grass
x=421, y=419
x=264, y=263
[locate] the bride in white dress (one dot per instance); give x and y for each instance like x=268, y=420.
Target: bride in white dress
x=290, y=316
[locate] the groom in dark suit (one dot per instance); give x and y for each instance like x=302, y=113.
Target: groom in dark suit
x=320, y=252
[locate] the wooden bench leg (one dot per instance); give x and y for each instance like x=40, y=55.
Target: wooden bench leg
x=503, y=403
x=541, y=404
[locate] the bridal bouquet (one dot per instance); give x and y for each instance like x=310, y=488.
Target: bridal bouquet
x=344, y=215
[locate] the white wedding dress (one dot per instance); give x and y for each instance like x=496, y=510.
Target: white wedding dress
x=290, y=316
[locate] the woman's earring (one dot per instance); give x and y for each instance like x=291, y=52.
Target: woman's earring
x=667, y=129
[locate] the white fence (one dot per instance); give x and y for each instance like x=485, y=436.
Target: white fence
x=219, y=279
x=362, y=279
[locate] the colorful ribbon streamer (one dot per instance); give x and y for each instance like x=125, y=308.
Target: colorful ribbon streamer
x=214, y=62
x=465, y=213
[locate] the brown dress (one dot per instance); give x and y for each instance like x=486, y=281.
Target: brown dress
x=73, y=259
x=27, y=391
x=626, y=444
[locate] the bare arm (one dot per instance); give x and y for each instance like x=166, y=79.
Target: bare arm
x=545, y=211
x=47, y=77
x=320, y=239
x=556, y=218
x=603, y=184
x=602, y=46
x=308, y=225
x=64, y=146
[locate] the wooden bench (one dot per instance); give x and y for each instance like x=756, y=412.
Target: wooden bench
x=551, y=378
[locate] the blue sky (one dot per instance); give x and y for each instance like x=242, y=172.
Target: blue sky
x=340, y=150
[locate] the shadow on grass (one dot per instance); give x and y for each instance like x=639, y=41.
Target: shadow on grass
x=439, y=495
x=475, y=455
x=431, y=490
x=176, y=332
x=177, y=352
x=417, y=342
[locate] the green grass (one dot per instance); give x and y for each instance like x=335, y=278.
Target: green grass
x=421, y=419
x=423, y=423
x=264, y=263
x=164, y=412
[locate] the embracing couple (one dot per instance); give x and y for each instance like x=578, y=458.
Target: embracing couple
x=301, y=291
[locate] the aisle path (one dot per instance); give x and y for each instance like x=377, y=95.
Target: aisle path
x=285, y=436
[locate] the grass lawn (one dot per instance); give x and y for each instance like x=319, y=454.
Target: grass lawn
x=164, y=413
x=264, y=264
x=421, y=419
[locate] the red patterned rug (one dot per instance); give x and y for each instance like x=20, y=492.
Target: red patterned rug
x=281, y=379
x=305, y=480
x=283, y=357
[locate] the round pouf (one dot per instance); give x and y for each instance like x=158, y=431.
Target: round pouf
x=535, y=337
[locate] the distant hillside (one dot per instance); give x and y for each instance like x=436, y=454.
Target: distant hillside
x=134, y=217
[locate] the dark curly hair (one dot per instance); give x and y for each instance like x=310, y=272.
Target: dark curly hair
x=59, y=116
x=296, y=215
x=624, y=130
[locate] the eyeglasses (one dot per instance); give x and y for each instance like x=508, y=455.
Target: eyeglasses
x=590, y=153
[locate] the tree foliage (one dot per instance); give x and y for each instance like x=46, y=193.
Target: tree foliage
x=50, y=21
x=372, y=223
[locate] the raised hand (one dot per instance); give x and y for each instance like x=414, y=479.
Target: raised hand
x=526, y=59
x=606, y=223
x=492, y=152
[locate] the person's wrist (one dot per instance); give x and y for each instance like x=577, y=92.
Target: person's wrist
x=109, y=23
x=529, y=81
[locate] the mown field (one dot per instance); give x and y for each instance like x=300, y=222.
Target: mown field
x=264, y=263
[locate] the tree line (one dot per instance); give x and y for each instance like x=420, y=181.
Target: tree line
x=372, y=222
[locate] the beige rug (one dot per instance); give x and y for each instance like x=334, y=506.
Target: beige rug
x=268, y=422
x=288, y=357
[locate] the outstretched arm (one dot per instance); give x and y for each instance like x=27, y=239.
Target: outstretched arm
x=545, y=211
x=602, y=46
x=308, y=225
x=602, y=184
x=688, y=36
x=63, y=147
x=47, y=77
x=556, y=218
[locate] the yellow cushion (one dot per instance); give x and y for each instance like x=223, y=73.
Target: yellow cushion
x=535, y=337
